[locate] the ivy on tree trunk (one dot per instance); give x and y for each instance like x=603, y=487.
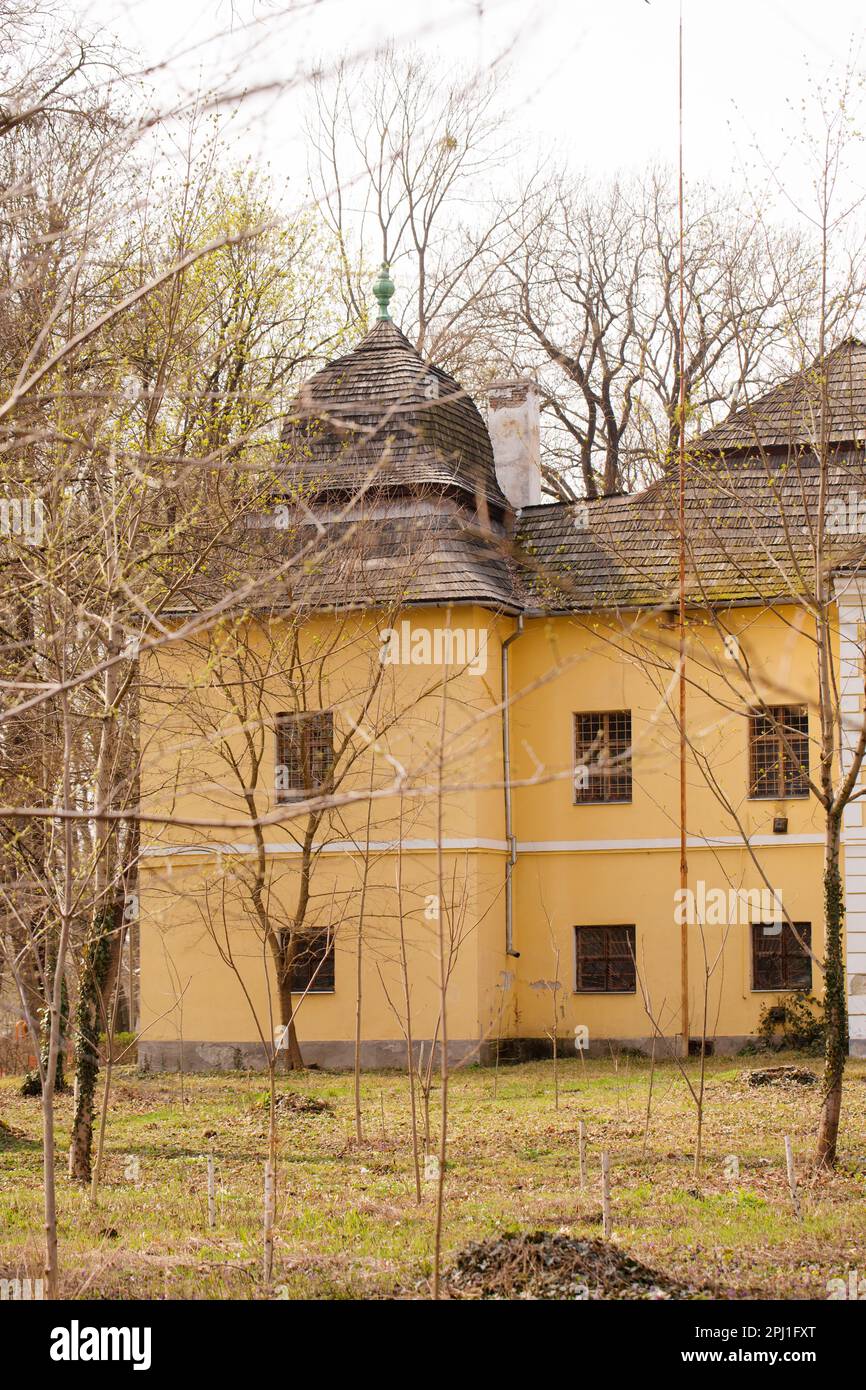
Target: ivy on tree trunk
x=835, y=1004
x=95, y=972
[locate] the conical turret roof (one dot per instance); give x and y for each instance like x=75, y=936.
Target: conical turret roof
x=383, y=414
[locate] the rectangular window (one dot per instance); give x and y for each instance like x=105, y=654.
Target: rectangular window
x=778, y=960
x=602, y=757
x=605, y=960
x=313, y=963
x=779, y=752
x=304, y=754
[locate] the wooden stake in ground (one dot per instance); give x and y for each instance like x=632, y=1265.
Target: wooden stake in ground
x=581, y=1149
x=605, y=1194
x=211, y=1194
x=792, y=1176
x=269, y=1221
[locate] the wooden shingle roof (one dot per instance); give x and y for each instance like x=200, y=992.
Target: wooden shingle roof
x=790, y=414
x=382, y=415
x=410, y=560
x=749, y=538
x=424, y=554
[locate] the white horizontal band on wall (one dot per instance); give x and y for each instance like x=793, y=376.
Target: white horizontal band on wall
x=525, y=847
x=335, y=847
x=693, y=842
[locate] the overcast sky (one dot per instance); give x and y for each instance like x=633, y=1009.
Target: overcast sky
x=593, y=80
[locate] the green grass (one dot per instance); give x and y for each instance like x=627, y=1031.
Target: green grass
x=348, y=1224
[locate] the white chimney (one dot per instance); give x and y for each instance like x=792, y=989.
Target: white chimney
x=513, y=425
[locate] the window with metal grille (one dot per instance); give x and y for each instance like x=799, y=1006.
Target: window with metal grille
x=313, y=963
x=779, y=961
x=602, y=756
x=779, y=752
x=605, y=960
x=304, y=754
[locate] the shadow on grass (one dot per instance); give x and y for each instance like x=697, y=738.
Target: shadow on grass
x=11, y=1139
x=157, y=1151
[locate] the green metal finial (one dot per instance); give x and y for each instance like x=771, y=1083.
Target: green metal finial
x=383, y=288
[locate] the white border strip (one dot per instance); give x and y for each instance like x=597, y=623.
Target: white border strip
x=694, y=842
x=335, y=847
x=523, y=847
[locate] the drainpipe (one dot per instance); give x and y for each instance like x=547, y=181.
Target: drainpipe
x=506, y=767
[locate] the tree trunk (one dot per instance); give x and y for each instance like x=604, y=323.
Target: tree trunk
x=294, y=1060
x=100, y=962
x=101, y=958
x=32, y=1081
x=25, y=950
x=283, y=944
x=835, y=1006
x=55, y=996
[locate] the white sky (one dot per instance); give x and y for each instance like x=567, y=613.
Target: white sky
x=593, y=81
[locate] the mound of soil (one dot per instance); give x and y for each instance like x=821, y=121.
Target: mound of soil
x=303, y=1105
x=781, y=1076
x=544, y=1265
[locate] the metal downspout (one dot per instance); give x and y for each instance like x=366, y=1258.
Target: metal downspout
x=510, y=838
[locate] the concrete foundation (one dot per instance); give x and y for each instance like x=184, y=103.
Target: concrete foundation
x=532, y=1049
x=386, y=1053
x=376, y=1054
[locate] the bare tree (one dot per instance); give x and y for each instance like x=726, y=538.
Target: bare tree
x=404, y=165
x=588, y=303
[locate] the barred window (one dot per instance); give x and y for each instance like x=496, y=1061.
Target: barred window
x=778, y=959
x=313, y=963
x=304, y=754
x=779, y=752
x=605, y=960
x=602, y=756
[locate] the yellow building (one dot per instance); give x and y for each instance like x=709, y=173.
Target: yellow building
x=437, y=732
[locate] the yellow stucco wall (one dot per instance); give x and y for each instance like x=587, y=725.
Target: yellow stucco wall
x=195, y=900
x=590, y=865
x=577, y=865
